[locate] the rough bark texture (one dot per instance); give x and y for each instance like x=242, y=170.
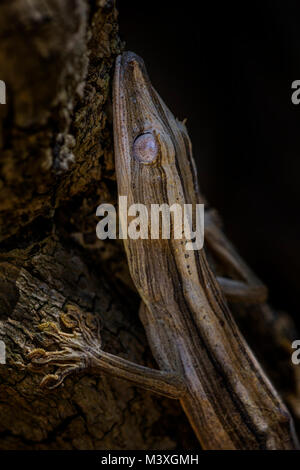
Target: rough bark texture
x=56, y=167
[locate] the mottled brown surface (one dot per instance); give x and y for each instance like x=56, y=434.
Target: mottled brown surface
x=87, y=412
x=56, y=167
x=229, y=400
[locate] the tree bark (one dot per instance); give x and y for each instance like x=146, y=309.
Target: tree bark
x=56, y=167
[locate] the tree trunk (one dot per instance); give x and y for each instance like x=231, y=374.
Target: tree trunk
x=56, y=167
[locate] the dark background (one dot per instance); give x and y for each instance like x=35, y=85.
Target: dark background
x=228, y=69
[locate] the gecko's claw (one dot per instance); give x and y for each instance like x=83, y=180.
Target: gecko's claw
x=52, y=381
x=76, y=347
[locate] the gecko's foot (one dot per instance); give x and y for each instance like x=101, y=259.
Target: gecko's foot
x=76, y=347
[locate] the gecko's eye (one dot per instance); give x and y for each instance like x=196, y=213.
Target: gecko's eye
x=145, y=148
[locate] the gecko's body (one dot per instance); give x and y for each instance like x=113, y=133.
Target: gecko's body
x=229, y=401
x=203, y=359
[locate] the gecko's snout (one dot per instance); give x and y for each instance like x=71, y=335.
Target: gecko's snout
x=132, y=69
x=135, y=100
x=131, y=59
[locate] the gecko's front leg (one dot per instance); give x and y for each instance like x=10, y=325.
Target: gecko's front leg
x=80, y=350
x=239, y=283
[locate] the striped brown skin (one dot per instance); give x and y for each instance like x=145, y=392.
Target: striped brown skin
x=230, y=402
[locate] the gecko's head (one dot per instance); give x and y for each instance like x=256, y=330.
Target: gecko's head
x=141, y=119
x=150, y=144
